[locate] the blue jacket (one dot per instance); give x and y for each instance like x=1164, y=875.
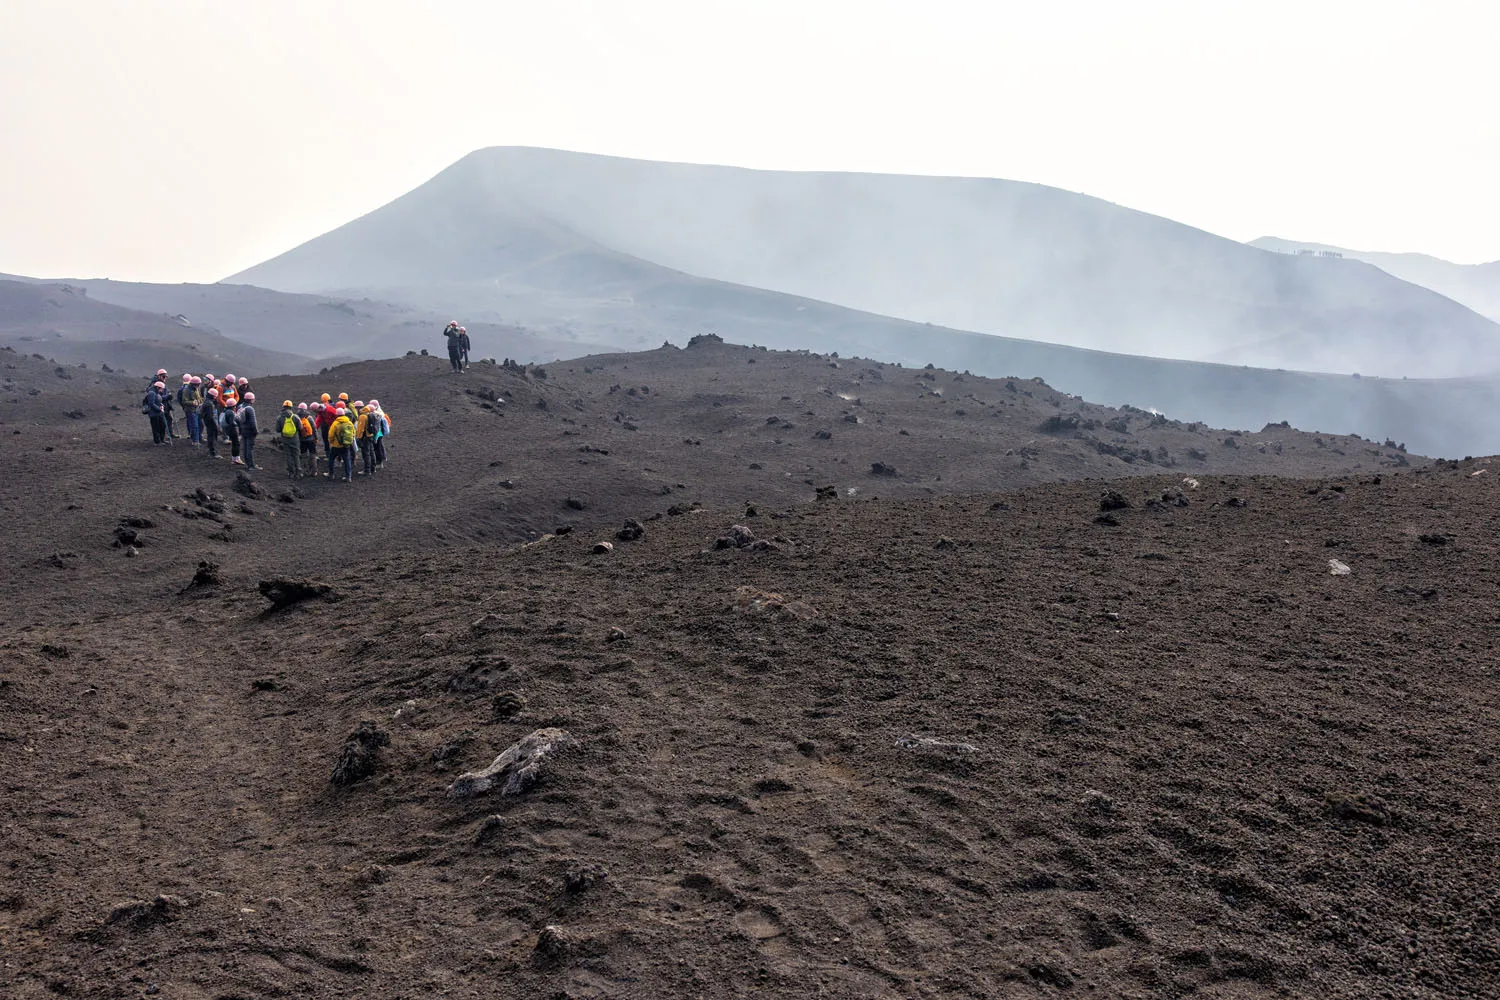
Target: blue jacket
x=247, y=420
x=154, y=402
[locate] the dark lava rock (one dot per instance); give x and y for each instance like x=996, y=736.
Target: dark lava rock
x=882, y=469
x=507, y=704
x=142, y=913
x=446, y=753
x=245, y=486
x=582, y=878
x=1113, y=500
x=576, y=503
x=554, y=945
x=356, y=760
x=283, y=593
x=207, y=575
x=633, y=530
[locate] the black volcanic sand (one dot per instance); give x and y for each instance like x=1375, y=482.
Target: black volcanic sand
x=496, y=455
x=987, y=744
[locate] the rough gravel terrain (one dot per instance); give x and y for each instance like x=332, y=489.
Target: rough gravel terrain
x=977, y=738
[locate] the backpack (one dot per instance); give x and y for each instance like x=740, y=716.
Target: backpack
x=372, y=427
x=343, y=432
x=290, y=426
x=306, y=427
x=146, y=403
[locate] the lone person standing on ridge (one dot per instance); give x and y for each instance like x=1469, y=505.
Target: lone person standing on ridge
x=454, y=333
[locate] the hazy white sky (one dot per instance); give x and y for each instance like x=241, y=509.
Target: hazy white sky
x=182, y=140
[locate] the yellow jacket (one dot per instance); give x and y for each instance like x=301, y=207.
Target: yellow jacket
x=341, y=432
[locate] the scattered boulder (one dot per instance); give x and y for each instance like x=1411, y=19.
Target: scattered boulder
x=581, y=878
x=633, y=530
x=704, y=339
x=356, y=760
x=576, y=503
x=507, y=704
x=827, y=493
x=1359, y=807
x=751, y=601
x=517, y=769
x=739, y=537
x=603, y=548
x=207, y=575
x=882, y=469
x=245, y=486
x=283, y=593
x=1113, y=500
x=488, y=829
x=451, y=750
x=554, y=946
x=127, y=536
x=1433, y=539
x=616, y=635
x=1337, y=568
x=142, y=913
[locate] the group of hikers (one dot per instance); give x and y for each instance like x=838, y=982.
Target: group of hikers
x=216, y=409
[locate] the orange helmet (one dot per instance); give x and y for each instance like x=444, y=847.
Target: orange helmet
x=343, y=397
x=287, y=403
x=324, y=398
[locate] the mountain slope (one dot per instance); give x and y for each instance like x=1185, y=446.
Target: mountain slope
x=62, y=322
x=519, y=228
x=321, y=326
x=1475, y=285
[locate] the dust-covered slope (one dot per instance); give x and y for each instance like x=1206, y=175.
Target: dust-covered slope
x=967, y=747
x=504, y=225
x=503, y=454
x=324, y=327
x=1475, y=285
x=61, y=321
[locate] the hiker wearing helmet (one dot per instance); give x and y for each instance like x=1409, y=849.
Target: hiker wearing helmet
x=366, y=430
x=308, y=437
x=189, y=398
x=455, y=346
x=383, y=432
x=167, y=407
x=154, y=408
x=325, y=419
x=249, y=429
x=229, y=421
x=463, y=344
x=341, y=437
x=289, y=439
x=208, y=420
